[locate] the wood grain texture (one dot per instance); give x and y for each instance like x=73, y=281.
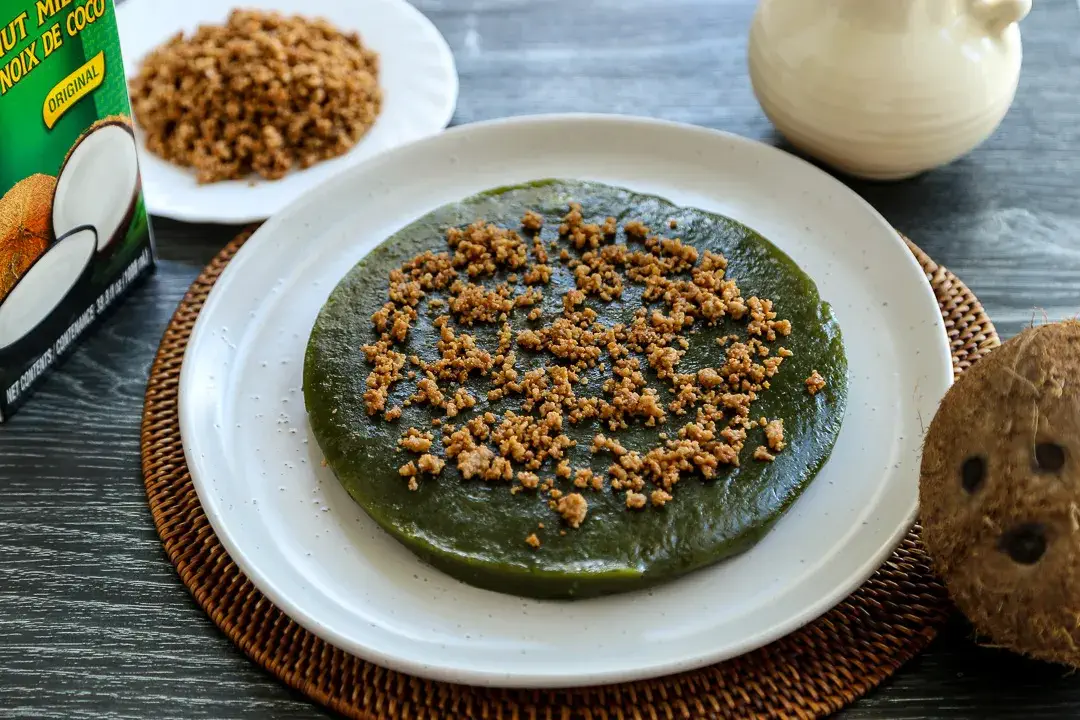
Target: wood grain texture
x=94, y=622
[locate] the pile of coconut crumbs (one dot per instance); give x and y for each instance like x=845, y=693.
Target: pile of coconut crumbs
x=263, y=93
x=710, y=412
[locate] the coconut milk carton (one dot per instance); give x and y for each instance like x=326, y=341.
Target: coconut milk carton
x=74, y=232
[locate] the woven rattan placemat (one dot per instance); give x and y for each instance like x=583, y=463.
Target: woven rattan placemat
x=807, y=674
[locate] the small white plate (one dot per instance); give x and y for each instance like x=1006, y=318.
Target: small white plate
x=295, y=532
x=416, y=72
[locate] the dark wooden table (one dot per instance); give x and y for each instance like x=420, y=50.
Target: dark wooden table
x=93, y=620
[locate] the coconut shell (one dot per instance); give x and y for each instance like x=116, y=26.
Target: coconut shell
x=25, y=228
x=1000, y=493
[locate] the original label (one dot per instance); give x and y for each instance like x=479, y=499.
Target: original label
x=73, y=88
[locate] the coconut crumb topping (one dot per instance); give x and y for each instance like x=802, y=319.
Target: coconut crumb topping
x=762, y=454
x=774, y=435
x=471, y=303
x=481, y=248
x=386, y=371
x=584, y=478
x=409, y=470
x=262, y=93
x=573, y=508
x=532, y=221
x=611, y=377
x=415, y=441
x=635, y=230
x=815, y=383
x=430, y=464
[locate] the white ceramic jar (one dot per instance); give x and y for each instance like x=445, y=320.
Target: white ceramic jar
x=886, y=89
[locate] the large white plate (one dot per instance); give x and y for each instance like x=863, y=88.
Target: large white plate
x=417, y=74
x=296, y=533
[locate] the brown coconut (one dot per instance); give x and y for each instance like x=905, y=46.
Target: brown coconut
x=1000, y=493
x=25, y=227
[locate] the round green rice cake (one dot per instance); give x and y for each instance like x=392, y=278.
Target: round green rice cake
x=476, y=530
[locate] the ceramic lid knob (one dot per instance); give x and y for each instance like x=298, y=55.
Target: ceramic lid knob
x=997, y=15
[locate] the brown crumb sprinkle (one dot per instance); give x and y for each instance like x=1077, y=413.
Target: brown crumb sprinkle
x=762, y=454
x=532, y=221
x=815, y=383
x=533, y=541
x=573, y=508
x=636, y=230
x=262, y=93
x=548, y=373
x=430, y=464
x=415, y=441
x=408, y=470
x=774, y=435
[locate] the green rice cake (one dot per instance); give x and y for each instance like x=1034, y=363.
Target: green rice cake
x=475, y=530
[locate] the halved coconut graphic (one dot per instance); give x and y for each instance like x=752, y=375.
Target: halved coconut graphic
x=98, y=183
x=24, y=228
x=40, y=294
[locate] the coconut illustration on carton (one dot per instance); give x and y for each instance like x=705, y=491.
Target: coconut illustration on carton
x=51, y=229
x=25, y=234
x=98, y=183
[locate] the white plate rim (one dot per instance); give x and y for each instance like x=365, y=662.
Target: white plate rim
x=440, y=118
x=459, y=675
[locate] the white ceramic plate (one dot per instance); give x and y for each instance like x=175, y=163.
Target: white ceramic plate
x=296, y=533
x=417, y=74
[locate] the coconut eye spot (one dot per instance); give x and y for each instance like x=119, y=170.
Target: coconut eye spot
x=1025, y=543
x=1050, y=457
x=973, y=473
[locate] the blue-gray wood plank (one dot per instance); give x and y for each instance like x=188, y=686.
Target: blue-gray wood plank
x=93, y=620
